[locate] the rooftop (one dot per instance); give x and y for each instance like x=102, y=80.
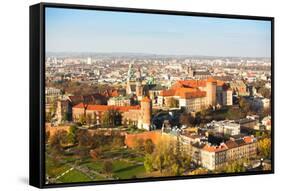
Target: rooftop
x=107, y=107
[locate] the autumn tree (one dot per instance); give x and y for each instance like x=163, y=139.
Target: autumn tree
x=234, y=114
x=265, y=92
x=148, y=163
x=72, y=136
x=167, y=159
x=58, y=140
x=264, y=147
x=186, y=119
x=235, y=166
x=244, y=106
x=199, y=171
x=148, y=146
x=84, y=138
x=118, y=141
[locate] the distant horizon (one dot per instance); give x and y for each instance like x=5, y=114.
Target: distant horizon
x=92, y=31
x=153, y=54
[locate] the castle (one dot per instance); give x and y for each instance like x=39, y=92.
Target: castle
x=139, y=115
x=195, y=95
x=135, y=86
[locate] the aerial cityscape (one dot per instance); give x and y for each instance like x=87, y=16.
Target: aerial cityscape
x=139, y=113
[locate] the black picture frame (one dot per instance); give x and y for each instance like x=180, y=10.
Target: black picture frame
x=37, y=92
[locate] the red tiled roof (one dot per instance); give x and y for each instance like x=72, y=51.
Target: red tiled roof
x=107, y=107
x=231, y=144
x=197, y=83
x=248, y=139
x=80, y=105
x=186, y=93
x=169, y=92
x=191, y=83
x=215, y=148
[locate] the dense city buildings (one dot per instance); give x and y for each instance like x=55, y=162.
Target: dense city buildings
x=131, y=96
x=215, y=112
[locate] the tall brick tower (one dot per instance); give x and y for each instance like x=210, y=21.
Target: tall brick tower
x=211, y=89
x=145, y=114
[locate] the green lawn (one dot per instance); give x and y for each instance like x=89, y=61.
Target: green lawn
x=54, y=168
x=130, y=171
x=75, y=176
x=126, y=165
x=95, y=165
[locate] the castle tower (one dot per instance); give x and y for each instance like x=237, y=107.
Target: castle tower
x=63, y=111
x=139, y=87
x=139, y=90
x=145, y=115
x=211, y=89
x=129, y=77
x=138, y=74
x=59, y=111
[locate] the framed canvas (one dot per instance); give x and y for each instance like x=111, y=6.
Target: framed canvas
x=123, y=95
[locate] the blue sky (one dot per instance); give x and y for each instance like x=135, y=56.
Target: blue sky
x=74, y=30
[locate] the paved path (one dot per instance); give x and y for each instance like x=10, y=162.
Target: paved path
x=64, y=173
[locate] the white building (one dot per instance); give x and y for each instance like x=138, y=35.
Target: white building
x=225, y=127
x=119, y=101
x=266, y=121
x=89, y=60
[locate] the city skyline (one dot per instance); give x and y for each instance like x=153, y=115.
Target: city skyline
x=70, y=30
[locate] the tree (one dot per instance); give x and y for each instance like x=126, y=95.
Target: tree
x=198, y=171
x=148, y=163
x=111, y=118
x=107, y=167
x=167, y=159
x=235, y=166
x=158, y=160
x=95, y=153
x=89, y=119
x=84, y=138
x=264, y=147
x=118, y=141
x=71, y=136
x=234, y=113
x=265, y=92
x=148, y=146
x=58, y=140
x=244, y=106
x=187, y=119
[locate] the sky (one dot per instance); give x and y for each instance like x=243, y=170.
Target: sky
x=78, y=30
